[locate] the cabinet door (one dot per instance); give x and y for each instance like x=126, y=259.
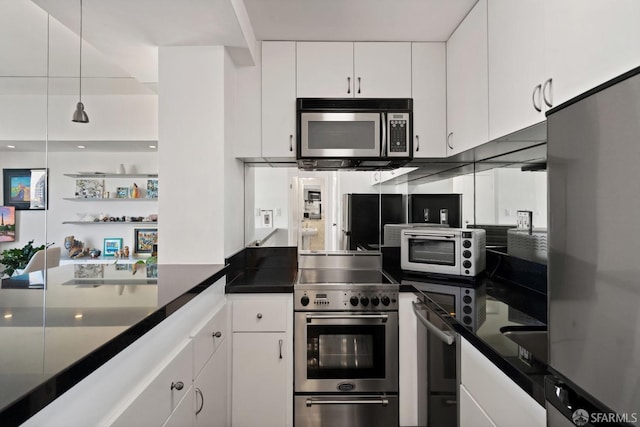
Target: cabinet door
x=382, y=69
x=210, y=391
x=590, y=42
x=516, y=65
x=260, y=394
x=429, y=92
x=471, y=414
x=278, y=100
x=182, y=416
x=325, y=69
x=467, y=83
x=499, y=397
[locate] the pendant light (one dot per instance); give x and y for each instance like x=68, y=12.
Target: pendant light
x=80, y=116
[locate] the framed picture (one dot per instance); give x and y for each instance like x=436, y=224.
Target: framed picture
x=112, y=246
x=25, y=189
x=122, y=192
x=7, y=223
x=152, y=189
x=144, y=239
x=89, y=188
x=266, y=218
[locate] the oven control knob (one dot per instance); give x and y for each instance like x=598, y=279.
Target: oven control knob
x=304, y=301
x=466, y=254
x=375, y=301
x=385, y=301
x=364, y=301
x=354, y=301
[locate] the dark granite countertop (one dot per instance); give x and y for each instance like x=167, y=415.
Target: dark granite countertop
x=507, y=305
x=261, y=281
x=55, y=336
x=262, y=270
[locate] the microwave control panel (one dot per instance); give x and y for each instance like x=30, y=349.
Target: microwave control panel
x=398, y=128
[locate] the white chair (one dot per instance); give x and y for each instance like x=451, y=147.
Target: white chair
x=38, y=259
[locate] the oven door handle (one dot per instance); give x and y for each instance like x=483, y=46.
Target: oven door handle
x=431, y=236
x=382, y=317
x=383, y=402
x=445, y=336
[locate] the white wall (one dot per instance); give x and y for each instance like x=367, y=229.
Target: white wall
x=271, y=193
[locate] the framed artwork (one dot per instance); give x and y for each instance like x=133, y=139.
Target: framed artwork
x=89, y=188
x=7, y=223
x=152, y=189
x=25, y=189
x=112, y=246
x=144, y=239
x=266, y=218
x=122, y=192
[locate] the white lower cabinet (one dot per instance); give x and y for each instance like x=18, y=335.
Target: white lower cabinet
x=210, y=391
x=487, y=390
x=408, y=360
x=262, y=360
x=182, y=416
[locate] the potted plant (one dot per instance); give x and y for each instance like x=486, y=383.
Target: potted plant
x=18, y=258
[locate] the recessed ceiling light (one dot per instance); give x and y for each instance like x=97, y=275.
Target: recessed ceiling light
x=153, y=146
x=11, y=146
x=78, y=316
x=81, y=146
x=8, y=316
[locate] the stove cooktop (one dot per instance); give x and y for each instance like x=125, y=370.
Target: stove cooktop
x=344, y=276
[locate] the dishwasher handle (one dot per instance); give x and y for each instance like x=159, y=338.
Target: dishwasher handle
x=445, y=336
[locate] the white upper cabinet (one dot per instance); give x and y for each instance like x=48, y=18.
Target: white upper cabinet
x=589, y=42
x=429, y=93
x=467, y=82
x=278, y=99
x=516, y=65
x=382, y=70
x=347, y=69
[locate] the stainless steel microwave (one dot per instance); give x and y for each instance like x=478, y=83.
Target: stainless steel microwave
x=364, y=134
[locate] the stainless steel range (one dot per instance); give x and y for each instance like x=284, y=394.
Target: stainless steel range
x=346, y=348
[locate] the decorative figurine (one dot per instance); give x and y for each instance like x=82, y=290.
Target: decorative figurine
x=135, y=192
x=73, y=246
x=125, y=252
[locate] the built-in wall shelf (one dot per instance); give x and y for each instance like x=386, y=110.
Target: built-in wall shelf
x=111, y=175
x=110, y=222
x=112, y=199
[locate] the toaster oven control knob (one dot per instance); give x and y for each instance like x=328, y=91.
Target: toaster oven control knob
x=304, y=301
x=466, y=264
x=375, y=301
x=354, y=301
x=385, y=301
x=364, y=301
x=466, y=254
x=466, y=244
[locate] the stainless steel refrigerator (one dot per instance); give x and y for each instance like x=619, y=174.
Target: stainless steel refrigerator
x=364, y=217
x=593, y=161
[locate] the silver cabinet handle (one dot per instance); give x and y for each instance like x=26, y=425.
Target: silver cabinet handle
x=259, y=315
x=178, y=385
x=280, y=342
x=549, y=100
x=449, y=138
x=348, y=84
x=443, y=335
x=358, y=84
x=538, y=90
x=291, y=143
x=383, y=150
x=198, y=391
x=417, y=143
x=216, y=334
x=383, y=402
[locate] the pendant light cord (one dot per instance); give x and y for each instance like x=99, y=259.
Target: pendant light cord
x=80, y=91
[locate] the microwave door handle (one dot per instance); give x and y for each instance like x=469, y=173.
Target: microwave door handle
x=383, y=149
x=444, y=336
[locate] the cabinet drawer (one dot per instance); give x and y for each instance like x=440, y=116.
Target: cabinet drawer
x=156, y=400
x=207, y=339
x=260, y=315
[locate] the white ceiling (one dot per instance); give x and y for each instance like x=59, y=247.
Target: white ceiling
x=358, y=20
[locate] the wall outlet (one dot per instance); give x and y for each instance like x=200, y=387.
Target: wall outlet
x=278, y=212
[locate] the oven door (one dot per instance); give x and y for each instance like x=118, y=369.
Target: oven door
x=430, y=253
x=341, y=134
x=351, y=410
x=346, y=352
